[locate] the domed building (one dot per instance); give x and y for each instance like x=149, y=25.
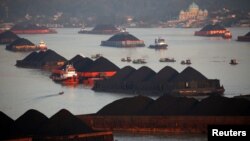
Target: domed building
x=193, y=12
x=123, y=39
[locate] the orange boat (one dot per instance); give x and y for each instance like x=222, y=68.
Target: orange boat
x=67, y=76
x=227, y=35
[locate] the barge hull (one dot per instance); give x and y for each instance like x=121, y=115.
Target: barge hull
x=161, y=124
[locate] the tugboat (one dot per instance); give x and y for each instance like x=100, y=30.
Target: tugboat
x=187, y=62
x=159, y=44
x=233, y=62
x=227, y=35
x=42, y=46
x=67, y=76
x=167, y=60
x=139, y=61
x=128, y=59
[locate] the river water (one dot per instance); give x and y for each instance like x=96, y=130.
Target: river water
x=22, y=89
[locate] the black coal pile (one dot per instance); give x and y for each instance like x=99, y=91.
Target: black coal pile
x=63, y=123
x=41, y=59
x=19, y=42
x=169, y=105
x=189, y=74
x=247, y=96
x=80, y=63
x=104, y=27
x=134, y=80
x=29, y=122
x=212, y=27
x=126, y=106
x=218, y=105
x=82, y=66
x=102, y=65
x=6, y=124
x=160, y=81
x=248, y=34
x=165, y=75
x=115, y=82
x=7, y=37
x=123, y=37
x=142, y=81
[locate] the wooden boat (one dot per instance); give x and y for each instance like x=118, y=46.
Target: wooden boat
x=186, y=62
x=96, y=56
x=139, y=61
x=167, y=60
x=128, y=59
x=233, y=62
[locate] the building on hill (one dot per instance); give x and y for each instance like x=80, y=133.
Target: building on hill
x=193, y=13
x=192, y=17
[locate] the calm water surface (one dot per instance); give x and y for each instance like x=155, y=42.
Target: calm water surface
x=23, y=89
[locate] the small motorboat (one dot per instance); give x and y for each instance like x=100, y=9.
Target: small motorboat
x=96, y=56
x=186, y=62
x=159, y=44
x=233, y=62
x=167, y=60
x=139, y=61
x=61, y=93
x=128, y=59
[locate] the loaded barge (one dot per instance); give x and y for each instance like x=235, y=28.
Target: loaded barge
x=215, y=30
x=31, y=29
x=101, y=29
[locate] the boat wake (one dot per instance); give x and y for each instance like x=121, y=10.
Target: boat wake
x=48, y=96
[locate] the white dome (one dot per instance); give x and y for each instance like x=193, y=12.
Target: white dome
x=193, y=6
